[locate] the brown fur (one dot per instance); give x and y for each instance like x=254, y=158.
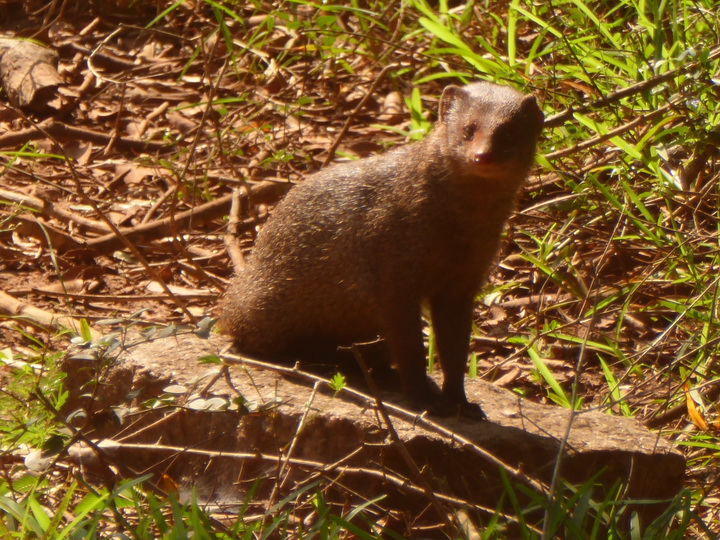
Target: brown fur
x=353, y=251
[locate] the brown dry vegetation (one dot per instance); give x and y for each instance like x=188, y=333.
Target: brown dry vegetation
x=609, y=271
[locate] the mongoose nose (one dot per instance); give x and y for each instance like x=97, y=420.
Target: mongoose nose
x=482, y=158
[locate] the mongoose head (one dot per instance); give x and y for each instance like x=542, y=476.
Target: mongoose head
x=490, y=130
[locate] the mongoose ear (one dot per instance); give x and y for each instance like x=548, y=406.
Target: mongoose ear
x=450, y=94
x=531, y=110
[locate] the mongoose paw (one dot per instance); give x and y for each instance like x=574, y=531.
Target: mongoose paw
x=472, y=411
x=444, y=408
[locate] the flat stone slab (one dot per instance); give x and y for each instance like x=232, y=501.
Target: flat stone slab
x=220, y=432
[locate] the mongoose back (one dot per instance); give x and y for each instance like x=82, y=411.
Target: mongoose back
x=354, y=251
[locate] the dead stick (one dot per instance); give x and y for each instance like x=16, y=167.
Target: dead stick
x=63, y=131
x=112, y=449
x=404, y=453
x=47, y=208
x=154, y=274
x=642, y=86
x=612, y=133
x=39, y=317
x=163, y=227
x=346, y=126
x=231, y=241
x=360, y=397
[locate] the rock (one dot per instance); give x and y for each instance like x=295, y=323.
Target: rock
x=198, y=431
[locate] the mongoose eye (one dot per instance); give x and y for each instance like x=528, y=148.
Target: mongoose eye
x=469, y=131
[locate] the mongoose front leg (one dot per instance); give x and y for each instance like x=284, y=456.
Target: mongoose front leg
x=402, y=330
x=452, y=323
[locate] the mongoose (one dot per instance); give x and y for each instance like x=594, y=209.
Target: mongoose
x=355, y=250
